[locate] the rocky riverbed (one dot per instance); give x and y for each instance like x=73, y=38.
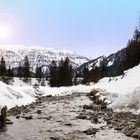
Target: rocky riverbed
x=70, y=117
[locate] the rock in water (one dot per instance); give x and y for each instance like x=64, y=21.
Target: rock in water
x=39, y=112
x=81, y=116
x=91, y=131
x=28, y=117
x=3, y=115
x=137, y=133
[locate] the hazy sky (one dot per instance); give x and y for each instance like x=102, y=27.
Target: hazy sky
x=88, y=27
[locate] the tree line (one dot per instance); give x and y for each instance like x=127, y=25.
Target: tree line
x=60, y=74
x=22, y=71
x=132, y=57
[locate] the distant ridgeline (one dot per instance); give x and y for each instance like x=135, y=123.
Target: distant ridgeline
x=113, y=65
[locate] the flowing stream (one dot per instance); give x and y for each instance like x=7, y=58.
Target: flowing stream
x=56, y=120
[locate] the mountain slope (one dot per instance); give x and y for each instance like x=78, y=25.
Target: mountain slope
x=111, y=62
x=13, y=54
x=116, y=63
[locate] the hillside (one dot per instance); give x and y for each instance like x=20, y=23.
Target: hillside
x=111, y=62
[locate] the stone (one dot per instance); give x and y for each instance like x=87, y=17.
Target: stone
x=81, y=116
x=91, y=131
x=54, y=138
x=39, y=111
x=67, y=123
x=87, y=107
x=136, y=134
x=28, y=117
x=137, y=123
x=45, y=117
x=128, y=131
x=8, y=122
x=17, y=116
x=94, y=119
x=3, y=115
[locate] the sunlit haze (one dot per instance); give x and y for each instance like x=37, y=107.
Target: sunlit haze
x=87, y=27
x=4, y=32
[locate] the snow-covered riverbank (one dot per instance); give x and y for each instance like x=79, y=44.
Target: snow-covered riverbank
x=123, y=91
x=21, y=95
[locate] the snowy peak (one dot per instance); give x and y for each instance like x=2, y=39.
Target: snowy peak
x=25, y=47
x=13, y=54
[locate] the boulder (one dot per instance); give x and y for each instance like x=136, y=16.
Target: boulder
x=87, y=107
x=28, y=117
x=136, y=134
x=39, y=112
x=3, y=115
x=91, y=131
x=81, y=116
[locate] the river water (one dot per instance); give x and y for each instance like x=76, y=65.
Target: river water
x=57, y=121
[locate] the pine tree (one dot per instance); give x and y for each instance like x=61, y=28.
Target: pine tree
x=75, y=79
x=2, y=67
x=53, y=77
x=39, y=73
x=95, y=74
x=104, y=71
x=20, y=71
x=10, y=72
x=26, y=69
x=70, y=75
x=85, y=75
x=136, y=34
x=65, y=72
x=61, y=75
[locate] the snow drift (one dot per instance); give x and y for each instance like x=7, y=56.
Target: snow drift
x=123, y=90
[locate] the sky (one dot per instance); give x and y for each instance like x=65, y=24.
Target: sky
x=87, y=27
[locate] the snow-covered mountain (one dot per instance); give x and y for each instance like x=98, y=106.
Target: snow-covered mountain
x=111, y=62
x=13, y=54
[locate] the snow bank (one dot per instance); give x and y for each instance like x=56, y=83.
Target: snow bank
x=12, y=95
x=123, y=90
x=15, y=95
x=65, y=90
x=19, y=82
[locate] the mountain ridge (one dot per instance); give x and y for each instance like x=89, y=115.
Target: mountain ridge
x=15, y=54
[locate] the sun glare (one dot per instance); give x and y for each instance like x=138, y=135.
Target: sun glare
x=9, y=28
x=4, y=32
